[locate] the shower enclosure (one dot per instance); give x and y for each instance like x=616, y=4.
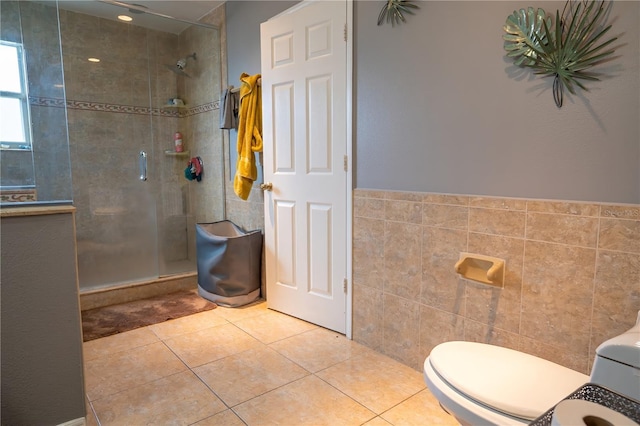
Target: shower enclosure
x=136, y=211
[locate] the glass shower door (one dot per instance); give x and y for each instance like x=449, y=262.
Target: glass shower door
x=109, y=71
x=119, y=78
x=116, y=206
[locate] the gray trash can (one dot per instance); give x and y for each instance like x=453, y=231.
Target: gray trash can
x=229, y=263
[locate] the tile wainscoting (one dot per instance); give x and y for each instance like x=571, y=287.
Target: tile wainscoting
x=572, y=276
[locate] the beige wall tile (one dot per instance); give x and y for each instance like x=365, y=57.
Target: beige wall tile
x=402, y=330
x=368, y=252
x=368, y=207
x=402, y=274
x=403, y=211
x=579, y=209
x=437, y=326
x=576, y=360
x=441, y=287
x=369, y=193
x=483, y=333
x=459, y=200
x=620, y=234
x=445, y=216
x=557, y=294
x=616, y=299
x=621, y=211
x=560, y=228
x=404, y=196
x=555, y=303
x=368, y=317
x=498, y=222
x=497, y=307
x=498, y=203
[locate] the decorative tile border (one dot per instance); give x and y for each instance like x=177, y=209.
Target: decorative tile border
x=123, y=109
x=46, y=102
x=18, y=195
x=211, y=106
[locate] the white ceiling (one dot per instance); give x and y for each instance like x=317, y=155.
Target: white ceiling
x=189, y=10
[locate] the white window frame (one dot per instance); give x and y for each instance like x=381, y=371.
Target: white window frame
x=23, y=97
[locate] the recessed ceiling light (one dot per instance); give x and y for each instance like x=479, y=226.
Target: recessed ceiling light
x=125, y=18
x=93, y=60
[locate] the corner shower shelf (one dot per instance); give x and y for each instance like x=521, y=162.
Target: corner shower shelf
x=172, y=153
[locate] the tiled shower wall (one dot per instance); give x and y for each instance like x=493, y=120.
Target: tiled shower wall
x=572, y=276
x=199, y=126
x=114, y=112
x=35, y=25
x=118, y=108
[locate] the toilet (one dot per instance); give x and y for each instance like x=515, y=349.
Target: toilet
x=481, y=384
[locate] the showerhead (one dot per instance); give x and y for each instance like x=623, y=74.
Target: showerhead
x=177, y=70
x=181, y=64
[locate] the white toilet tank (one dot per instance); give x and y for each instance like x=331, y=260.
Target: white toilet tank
x=617, y=363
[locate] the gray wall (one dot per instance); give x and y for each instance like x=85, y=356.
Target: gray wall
x=243, y=19
x=243, y=34
x=439, y=108
x=243, y=52
x=41, y=340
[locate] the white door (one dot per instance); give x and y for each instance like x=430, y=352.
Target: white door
x=304, y=91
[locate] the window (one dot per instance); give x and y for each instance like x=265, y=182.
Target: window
x=15, y=132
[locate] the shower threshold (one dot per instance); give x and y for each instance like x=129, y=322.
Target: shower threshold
x=135, y=291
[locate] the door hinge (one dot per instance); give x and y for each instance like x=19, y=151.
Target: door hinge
x=344, y=285
x=346, y=163
x=345, y=32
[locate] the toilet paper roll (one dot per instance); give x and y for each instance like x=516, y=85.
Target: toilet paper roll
x=577, y=412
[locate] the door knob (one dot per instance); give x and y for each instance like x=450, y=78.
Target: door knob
x=266, y=186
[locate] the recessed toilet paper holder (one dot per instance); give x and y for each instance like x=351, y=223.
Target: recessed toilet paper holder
x=484, y=269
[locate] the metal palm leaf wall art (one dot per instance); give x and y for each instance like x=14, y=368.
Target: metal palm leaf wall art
x=566, y=49
x=394, y=10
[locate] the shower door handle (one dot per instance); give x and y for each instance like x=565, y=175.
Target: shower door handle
x=143, y=165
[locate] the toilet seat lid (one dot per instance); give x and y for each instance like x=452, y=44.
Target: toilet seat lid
x=512, y=382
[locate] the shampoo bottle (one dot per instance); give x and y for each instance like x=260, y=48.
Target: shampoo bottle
x=177, y=139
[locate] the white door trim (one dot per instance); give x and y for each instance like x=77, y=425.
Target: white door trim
x=349, y=236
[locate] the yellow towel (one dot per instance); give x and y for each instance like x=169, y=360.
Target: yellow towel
x=249, y=134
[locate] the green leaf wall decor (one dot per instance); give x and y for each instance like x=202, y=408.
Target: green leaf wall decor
x=566, y=49
x=393, y=11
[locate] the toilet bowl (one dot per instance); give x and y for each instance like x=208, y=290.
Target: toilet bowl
x=482, y=384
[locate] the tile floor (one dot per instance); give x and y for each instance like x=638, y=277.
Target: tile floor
x=250, y=366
